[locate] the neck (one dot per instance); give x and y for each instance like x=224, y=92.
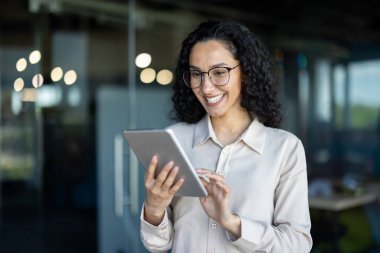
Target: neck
x=228, y=128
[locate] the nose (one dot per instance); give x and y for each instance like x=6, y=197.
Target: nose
x=206, y=83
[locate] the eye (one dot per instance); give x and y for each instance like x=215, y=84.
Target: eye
x=219, y=72
x=195, y=74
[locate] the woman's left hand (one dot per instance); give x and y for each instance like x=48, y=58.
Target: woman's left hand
x=216, y=202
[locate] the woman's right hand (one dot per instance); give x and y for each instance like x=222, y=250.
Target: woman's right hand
x=159, y=191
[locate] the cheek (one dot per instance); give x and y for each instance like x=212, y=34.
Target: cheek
x=237, y=87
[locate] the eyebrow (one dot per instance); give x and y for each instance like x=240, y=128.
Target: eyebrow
x=213, y=66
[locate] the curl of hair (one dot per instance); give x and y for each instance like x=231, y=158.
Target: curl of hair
x=259, y=84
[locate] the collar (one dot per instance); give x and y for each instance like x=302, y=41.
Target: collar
x=203, y=131
x=254, y=137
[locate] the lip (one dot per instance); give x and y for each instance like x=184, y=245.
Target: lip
x=215, y=103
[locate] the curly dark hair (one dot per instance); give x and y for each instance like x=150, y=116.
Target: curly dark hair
x=259, y=84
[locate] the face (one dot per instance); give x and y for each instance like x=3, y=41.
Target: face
x=218, y=101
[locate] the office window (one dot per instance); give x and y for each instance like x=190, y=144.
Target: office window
x=364, y=94
x=339, y=76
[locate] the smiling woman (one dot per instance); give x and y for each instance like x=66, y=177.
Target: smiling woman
x=225, y=99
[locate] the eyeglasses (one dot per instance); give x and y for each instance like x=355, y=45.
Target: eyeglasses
x=219, y=76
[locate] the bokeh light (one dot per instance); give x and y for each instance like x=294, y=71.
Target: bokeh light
x=147, y=75
x=21, y=64
x=70, y=77
x=164, y=77
x=18, y=84
x=35, y=57
x=143, y=60
x=56, y=74
x=37, y=80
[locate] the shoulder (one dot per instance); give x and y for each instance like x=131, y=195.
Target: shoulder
x=282, y=137
x=288, y=148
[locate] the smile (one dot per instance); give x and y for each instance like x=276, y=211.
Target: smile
x=215, y=99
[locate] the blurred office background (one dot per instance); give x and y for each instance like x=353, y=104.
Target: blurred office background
x=75, y=73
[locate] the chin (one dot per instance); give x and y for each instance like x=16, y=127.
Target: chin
x=214, y=114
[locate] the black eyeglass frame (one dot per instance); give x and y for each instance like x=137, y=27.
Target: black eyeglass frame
x=208, y=74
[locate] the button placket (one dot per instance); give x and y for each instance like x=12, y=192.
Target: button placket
x=223, y=160
x=213, y=235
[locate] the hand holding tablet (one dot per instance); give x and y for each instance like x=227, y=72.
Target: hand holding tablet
x=164, y=144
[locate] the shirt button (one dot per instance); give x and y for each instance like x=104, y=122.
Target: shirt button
x=213, y=226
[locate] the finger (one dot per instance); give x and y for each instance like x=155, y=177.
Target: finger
x=223, y=186
x=170, y=179
x=177, y=186
x=205, y=181
x=217, y=186
x=203, y=171
x=149, y=173
x=164, y=173
x=219, y=189
x=215, y=178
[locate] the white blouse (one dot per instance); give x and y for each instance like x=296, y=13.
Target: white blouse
x=266, y=172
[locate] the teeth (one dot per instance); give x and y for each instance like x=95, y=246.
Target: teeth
x=214, y=99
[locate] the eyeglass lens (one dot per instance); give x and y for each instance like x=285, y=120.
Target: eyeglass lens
x=218, y=76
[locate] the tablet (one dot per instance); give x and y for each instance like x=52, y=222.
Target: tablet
x=163, y=142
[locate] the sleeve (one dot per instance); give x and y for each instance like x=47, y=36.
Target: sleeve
x=157, y=238
x=290, y=231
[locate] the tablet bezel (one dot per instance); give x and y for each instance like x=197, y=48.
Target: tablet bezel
x=163, y=142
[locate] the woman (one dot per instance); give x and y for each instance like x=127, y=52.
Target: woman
x=225, y=98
